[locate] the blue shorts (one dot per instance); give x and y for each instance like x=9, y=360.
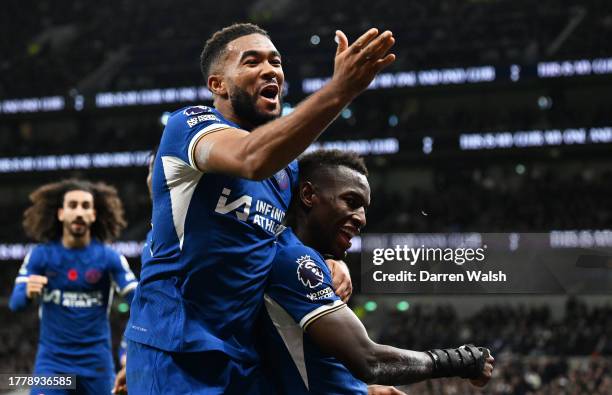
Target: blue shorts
x=153, y=371
x=84, y=386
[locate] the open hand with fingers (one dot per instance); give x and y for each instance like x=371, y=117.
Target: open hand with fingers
x=356, y=65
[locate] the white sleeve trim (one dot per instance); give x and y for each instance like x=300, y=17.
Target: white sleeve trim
x=320, y=312
x=21, y=279
x=215, y=127
x=131, y=286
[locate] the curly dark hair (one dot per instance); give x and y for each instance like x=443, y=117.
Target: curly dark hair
x=216, y=45
x=40, y=219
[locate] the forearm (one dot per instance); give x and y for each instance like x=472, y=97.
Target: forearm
x=274, y=145
x=19, y=300
x=342, y=335
x=393, y=366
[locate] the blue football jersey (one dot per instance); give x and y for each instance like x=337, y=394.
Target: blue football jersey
x=299, y=291
x=212, y=244
x=74, y=307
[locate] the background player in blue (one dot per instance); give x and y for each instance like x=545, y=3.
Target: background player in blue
x=313, y=342
x=222, y=183
x=74, y=274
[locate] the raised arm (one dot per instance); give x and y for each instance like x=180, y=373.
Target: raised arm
x=29, y=283
x=341, y=335
x=265, y=150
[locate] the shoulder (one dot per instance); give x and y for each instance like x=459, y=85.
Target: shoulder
x=191, y=117
x=44, y=249
x=294, y=165
x=107, y=250
x=36, y=255
x=295, y=257
x=296, y=251
x=288, y=245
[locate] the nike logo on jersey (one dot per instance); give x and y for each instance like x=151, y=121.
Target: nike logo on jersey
x=266, y=216
x=223, y=207
x=73, y=299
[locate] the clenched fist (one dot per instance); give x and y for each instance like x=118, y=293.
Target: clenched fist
x=35, y=285
x=487, y=370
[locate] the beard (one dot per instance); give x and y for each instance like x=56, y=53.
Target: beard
x=78, y=231
x=245, y=108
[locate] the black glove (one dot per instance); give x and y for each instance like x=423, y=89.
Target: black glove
x=467, y=361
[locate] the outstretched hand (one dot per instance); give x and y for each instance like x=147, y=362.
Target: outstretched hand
x=356, y=65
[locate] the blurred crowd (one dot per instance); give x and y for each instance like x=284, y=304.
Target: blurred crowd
x=535, y=353
x=472, y=199
x=531, y=376
x=85, y=48
x=119, y=45
x=497, y=200
x=527, y=330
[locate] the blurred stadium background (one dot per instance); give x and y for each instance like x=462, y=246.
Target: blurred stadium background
x=496, y=117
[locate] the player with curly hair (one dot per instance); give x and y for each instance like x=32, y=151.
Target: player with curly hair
x=74, y=274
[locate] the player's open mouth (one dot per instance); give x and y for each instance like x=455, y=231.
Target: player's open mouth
x=78, y=223
x=345, y=236
x=270, y=93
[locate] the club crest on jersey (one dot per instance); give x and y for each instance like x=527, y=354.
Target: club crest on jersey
x=308, y=272
x=92, y=276
x=195, y=110
x=282, y=178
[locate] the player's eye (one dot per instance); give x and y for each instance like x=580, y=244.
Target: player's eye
x=276, y=62
x=251, y=62
x=350, y=201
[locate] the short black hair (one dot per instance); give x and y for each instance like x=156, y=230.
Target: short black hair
x=216, y=45
x=313, y=162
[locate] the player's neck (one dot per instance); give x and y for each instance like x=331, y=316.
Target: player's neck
x=225, y=108
x=303, y=235
x=71, y=241
x=303, y=232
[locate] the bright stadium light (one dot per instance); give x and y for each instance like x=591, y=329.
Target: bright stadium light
x=370, y=306
x=393, y=120
x=164, y=118
x=287, y=109
x=427, y=145
x=402, y=305
x=545, y=103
